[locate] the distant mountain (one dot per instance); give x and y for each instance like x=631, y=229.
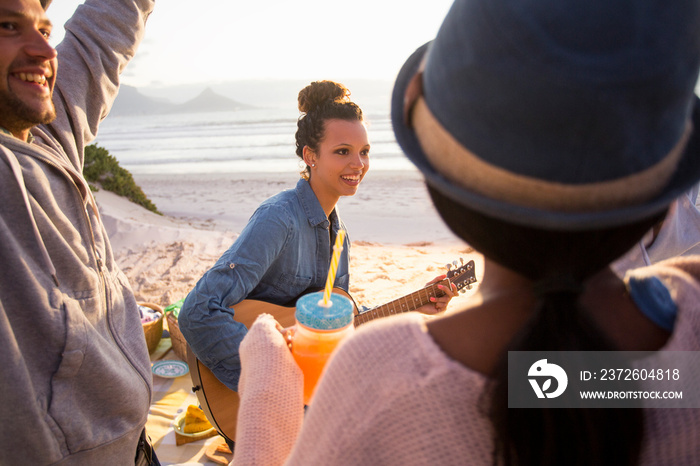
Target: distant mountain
x=210, y=101
x=372, y=95
x=131, y=102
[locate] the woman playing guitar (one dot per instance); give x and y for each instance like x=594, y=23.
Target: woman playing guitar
x=285, y=249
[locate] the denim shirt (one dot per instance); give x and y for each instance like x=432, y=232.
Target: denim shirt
x=283, y=251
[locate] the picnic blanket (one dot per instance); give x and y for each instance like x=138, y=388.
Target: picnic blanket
x=171, y=397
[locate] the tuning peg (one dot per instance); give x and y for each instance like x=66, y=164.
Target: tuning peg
x=461, y=260
x=455, y=263
x=448, y=267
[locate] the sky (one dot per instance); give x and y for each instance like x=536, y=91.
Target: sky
x=209, y=41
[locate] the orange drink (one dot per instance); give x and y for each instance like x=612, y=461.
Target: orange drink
x=311, y=350
x=317, y=332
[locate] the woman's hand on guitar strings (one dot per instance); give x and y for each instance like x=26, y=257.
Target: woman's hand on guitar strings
x=439, y=304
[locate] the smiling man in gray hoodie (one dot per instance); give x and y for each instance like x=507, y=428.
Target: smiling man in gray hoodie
x=75, y=382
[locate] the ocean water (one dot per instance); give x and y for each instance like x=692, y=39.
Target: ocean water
x=251, y=140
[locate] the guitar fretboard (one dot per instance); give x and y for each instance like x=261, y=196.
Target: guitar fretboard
x=408, y=303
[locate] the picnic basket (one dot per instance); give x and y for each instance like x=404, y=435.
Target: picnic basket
x=178, y=340
x=153, y=331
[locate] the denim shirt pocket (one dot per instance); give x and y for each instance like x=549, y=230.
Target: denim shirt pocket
x=289, y=286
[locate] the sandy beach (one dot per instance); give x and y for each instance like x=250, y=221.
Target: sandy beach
x=398, y=240
x=398, y=243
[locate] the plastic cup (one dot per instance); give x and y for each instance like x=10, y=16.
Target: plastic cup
x=317, y=332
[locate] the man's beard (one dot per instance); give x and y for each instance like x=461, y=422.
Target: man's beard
x=18, y=116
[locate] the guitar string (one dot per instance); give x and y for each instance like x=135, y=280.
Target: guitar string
x=428, y=291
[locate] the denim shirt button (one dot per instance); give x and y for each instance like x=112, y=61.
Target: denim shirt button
x=231, y=265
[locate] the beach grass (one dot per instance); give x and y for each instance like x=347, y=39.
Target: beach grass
x=103, y=169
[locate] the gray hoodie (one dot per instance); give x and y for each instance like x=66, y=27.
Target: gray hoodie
x=75, y=381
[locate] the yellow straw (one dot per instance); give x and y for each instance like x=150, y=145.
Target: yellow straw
x=337, y=249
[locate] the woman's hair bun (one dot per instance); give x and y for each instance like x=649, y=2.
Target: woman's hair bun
x=319, y=93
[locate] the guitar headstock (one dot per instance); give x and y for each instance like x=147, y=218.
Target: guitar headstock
x=462, y=275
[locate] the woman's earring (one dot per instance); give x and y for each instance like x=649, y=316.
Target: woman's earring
x=313, y=164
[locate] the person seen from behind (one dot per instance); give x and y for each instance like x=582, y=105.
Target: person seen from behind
x=552, y=135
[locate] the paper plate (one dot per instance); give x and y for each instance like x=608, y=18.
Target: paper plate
x=179, y=428
x=170, y=368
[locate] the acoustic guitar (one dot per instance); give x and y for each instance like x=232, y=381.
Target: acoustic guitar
x=220, y=403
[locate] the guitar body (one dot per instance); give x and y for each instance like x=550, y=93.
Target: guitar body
x=248, y=310
x=220, y=403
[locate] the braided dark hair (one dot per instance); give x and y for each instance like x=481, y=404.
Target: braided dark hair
x=576, y=436
x=318, y=102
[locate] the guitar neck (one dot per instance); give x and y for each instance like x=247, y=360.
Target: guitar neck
x=408, y=303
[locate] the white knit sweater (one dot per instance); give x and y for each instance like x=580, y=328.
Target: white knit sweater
x=390, y=396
